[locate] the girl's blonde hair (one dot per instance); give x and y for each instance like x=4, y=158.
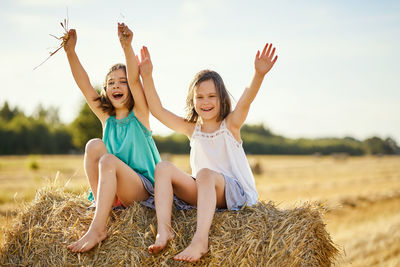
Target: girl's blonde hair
x=105, y=103
x=225, y=101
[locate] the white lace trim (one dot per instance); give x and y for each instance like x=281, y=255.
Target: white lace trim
x=222, y=130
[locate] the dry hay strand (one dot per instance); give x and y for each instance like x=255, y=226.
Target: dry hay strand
x=64, y=38
x=261, y=235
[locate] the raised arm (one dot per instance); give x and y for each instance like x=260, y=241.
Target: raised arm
x=81, y=77
x=263, y=63
x=125, y=36
x=168, y=118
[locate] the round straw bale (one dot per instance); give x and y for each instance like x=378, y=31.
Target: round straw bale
x=261, y=235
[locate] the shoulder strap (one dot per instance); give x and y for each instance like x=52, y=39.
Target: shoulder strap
x=197, y=128
x=223, y=124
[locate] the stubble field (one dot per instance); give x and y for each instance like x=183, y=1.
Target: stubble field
x=361, y=194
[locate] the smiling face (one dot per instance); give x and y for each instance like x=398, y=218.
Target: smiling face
x=117, y=89
x=206, y=100
x=206, y=97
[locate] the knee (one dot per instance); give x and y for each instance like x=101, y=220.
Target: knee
x=205, y=175
x=163, y=168
x=107, y=162
x=95, y=147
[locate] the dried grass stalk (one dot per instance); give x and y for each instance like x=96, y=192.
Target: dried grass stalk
x=261, y=235
x=63, y=38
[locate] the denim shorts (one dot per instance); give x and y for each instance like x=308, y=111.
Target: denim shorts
x=179, y=204
x=234, y=195
x=117, y=205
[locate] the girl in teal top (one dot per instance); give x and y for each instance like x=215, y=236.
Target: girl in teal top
x=129, y=140
x=120, y=168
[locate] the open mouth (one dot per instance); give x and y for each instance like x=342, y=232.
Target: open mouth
x=117, y=95
x=207, y=109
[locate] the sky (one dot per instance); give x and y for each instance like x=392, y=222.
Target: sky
x=337, y=75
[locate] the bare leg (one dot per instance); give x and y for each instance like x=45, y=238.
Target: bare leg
x=210, y=194
x=94, y=150
x=169, y=179
x=116, y=178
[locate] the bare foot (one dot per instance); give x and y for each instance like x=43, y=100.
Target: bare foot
x=162, y=239
x=88, y=241
x=193, y=252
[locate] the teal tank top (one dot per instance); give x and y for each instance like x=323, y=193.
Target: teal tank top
x=130, y=141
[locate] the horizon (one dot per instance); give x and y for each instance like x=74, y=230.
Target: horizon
x=272, y=131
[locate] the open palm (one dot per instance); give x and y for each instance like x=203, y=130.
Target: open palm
x=266, y=60
x=145, y=65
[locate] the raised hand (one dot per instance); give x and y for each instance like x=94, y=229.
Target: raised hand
x=145, y=65
x=266, y=60
x=71, y=42
x=125, y=35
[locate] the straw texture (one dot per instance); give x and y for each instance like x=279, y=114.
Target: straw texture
x=261, y=235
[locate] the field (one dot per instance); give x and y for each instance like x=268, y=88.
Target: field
x=361, y=194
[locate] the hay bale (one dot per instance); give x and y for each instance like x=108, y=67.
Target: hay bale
x=260, y=235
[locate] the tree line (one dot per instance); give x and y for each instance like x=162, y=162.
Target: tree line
x=44, y=133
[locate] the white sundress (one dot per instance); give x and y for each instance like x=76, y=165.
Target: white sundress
x=221, y=152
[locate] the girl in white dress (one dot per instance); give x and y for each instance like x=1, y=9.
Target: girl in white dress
x=221, y=176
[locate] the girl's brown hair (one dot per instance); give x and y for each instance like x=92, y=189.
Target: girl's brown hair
x=224, y=99
x=105, y=103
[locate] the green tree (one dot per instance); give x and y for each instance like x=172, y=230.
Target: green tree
x=374, y=145
x=27, y=135
x=391, y=146
x=49, y=115
x=7, y=114
x=85, y=127
x=258, y=129
x=174, y=143
x=63, y=140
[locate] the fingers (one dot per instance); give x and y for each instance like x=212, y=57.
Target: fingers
x=145, y=65
x=266, y=59
x=71, y=37
x=124, y=29
x=120, y=27
x=127, y=31
x=72, y=32
x=268, y=50
x=265, y=49
x=275, y=59
x=142, y=56
x=146, y=51
x=272, y=53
